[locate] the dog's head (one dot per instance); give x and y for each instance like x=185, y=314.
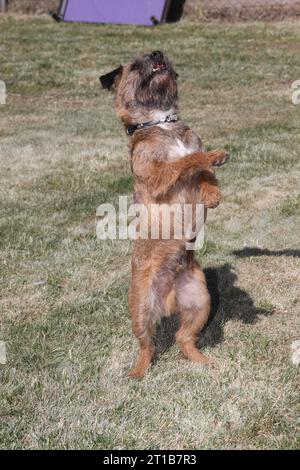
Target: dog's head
x=145, y=89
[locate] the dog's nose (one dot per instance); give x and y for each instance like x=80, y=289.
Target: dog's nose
x=157, y=55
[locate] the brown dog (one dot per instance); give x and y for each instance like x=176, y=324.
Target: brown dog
x=169, y=167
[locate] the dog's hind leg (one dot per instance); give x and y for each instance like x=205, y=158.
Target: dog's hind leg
x=146, y=351
x=142, y=325
x=194, y=305
x=143, y=329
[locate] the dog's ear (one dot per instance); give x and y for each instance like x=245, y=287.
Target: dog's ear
x=109, y=80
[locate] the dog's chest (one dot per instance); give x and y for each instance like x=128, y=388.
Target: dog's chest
x=180, y=148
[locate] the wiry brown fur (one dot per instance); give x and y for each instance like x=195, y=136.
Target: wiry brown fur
x=169, y=166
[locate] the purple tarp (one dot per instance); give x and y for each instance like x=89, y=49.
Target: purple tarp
x=113, y=11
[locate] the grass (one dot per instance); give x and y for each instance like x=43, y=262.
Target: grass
x=64, y=314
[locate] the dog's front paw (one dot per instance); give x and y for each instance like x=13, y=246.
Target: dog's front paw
x=219, y=157
x=210, y=196
x=210, y=193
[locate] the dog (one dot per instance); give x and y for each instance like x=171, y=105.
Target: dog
x=169, y=166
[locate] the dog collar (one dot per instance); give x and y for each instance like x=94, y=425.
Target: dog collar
x=134, y=127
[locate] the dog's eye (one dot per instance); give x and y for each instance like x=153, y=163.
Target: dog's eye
x=134, y=66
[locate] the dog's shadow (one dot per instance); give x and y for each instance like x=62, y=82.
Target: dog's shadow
x=228, y=302
x=248, y=252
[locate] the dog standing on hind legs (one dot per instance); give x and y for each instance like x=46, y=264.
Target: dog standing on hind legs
x=169, y=167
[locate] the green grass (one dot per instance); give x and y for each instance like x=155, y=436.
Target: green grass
x=64, y=314
x=290, y=207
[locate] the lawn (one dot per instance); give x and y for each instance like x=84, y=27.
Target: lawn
x=64, y=315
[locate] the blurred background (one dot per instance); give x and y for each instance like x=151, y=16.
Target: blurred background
x=204, y=10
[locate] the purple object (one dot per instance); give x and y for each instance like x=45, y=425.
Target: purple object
x=142, y=12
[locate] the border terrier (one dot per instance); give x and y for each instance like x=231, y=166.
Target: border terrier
x=169, y=166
